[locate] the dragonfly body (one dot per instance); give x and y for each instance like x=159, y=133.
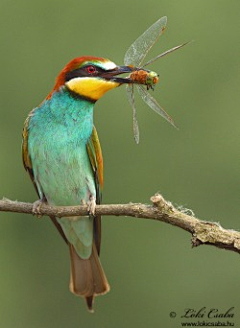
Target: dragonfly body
x=145, y=77
x=134, y=57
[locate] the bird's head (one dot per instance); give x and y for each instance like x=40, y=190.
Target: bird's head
x=91, y=77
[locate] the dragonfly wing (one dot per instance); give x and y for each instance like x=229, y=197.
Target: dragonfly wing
x=165, y=53
x=130, y=96
x=152, y=103
x=140, y=47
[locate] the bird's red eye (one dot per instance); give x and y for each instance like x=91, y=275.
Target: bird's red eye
x=91, y=69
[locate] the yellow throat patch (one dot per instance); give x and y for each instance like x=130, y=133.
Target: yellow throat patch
x=91, y=87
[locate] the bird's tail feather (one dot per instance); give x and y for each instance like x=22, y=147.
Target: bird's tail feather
x=87, y=277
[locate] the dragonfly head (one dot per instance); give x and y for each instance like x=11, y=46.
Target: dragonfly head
x=152, y=79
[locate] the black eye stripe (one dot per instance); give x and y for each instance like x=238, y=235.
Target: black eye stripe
x=83, y=72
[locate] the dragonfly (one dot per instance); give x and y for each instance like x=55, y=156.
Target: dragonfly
x=141, y=77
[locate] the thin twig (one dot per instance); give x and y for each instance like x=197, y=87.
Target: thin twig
x=203, y=232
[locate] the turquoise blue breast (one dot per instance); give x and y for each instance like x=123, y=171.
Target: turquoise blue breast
x=58, y=133
x=57, y=136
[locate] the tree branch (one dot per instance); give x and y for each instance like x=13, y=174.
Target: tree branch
x=203, y=232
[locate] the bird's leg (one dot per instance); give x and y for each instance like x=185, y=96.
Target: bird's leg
x=36, y=209
x=91, y=205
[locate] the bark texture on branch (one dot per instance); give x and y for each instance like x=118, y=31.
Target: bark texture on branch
x=203, y=232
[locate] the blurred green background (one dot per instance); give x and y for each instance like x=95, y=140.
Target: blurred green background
x=150, y=265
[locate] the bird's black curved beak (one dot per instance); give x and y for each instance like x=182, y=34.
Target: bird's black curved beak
x=112, y=74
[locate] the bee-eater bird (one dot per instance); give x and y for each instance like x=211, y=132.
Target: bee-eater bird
x=62, y=154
